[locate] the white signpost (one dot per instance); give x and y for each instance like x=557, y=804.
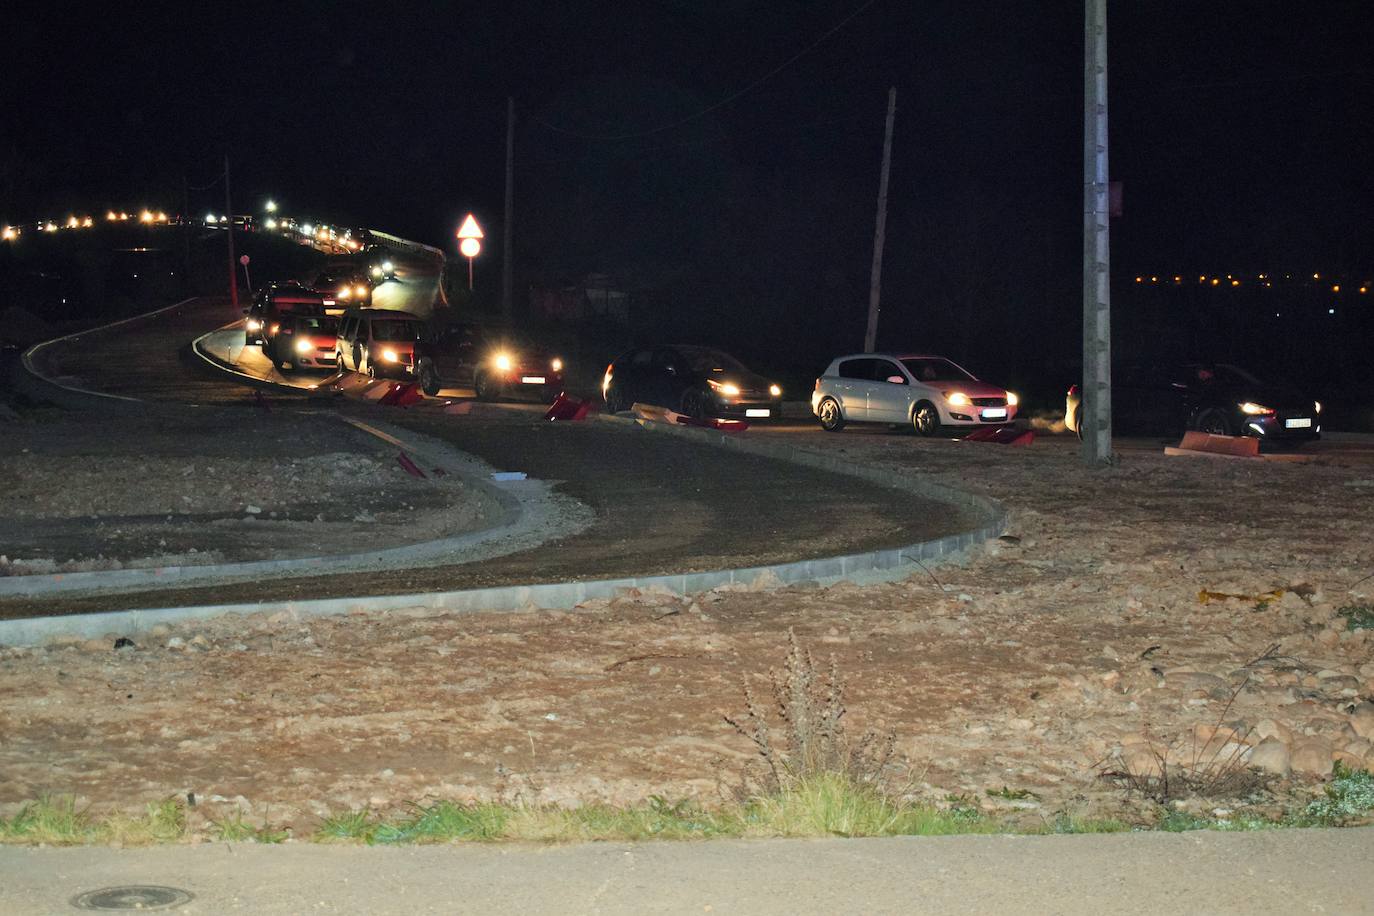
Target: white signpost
x=469, y=242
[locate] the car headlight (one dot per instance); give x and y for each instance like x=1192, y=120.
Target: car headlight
x=388, y=266
x=502, y=361
x=361, y=290
x=253, y=324
x=390, y=355
x=303, y=346
x=957, y=399
x=345, y=293
x=376, y=271
x=556, y=364
x=775, y=391
x=1317, y=406
x=1012, y=399
x=728, y=389
x=1253, y=409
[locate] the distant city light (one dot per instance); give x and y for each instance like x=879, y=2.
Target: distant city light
x=1330, y=311
x=1216, y=281
x=1235, y=283
x=9, y=234
x=146, y=216
x=271, y=206
x=1336, y=288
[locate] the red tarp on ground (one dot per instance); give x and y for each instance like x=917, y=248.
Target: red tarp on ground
x=1002, y=435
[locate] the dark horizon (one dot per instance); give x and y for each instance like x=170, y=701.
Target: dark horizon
x=730, y=154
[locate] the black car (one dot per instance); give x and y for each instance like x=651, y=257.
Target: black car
x=1168, y=399
x=699, y=382
x=342, y=288
x=494, y=360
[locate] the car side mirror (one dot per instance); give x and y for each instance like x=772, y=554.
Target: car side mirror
x=896, y=380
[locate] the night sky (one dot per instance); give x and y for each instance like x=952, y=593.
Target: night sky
x=726, y=146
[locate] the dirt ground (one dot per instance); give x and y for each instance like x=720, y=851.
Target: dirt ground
x=209, y=486
x=1078, y=645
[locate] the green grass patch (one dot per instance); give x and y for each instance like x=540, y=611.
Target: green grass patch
x=57, y=821
x=1358, y=616
x=235, y=829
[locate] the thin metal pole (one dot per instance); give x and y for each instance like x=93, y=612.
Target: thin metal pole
x=875, y=283
x=1097, y=303
x=229, y=231
x=507, y=271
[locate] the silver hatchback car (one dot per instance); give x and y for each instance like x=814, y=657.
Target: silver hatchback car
x=929, y=392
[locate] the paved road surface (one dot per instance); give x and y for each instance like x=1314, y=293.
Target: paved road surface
x=1281, y=871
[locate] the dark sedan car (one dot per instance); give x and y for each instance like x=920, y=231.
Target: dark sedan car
x=492, y=359
x=1209, y=397
x=699, y=382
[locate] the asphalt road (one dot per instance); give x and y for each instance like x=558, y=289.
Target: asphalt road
x=1278, y=871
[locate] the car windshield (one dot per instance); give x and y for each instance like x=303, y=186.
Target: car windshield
x=707, y=361
x=318, y=325
x=394, y=329
x=934, y=369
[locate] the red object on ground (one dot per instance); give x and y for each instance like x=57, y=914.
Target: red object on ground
x=401, y=394
x=725, y=426
x=410, y=466
x=1230, y=446
x=1002, y=435
x=566, y=408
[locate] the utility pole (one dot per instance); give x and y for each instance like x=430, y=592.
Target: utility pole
x=507, y=271
x=185, y=234
x=875, y=283
x=229, y=232
x=1096, y=421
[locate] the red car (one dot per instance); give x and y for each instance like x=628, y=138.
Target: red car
x=303, y=341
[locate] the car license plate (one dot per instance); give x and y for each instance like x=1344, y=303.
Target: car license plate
x=995, y=413
x=532, y=379
x=1298, y=423
x=758, y=412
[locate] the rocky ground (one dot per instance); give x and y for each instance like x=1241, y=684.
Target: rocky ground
x=85, y=491
x=1166, y=612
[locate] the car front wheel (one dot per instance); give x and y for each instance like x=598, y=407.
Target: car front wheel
x=1212, y=421
x=832, y=419
x=694, y=404
x=925, y=419
x=428, y=377
x=487, y=390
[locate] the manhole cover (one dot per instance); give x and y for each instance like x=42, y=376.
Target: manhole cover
x=132, y=897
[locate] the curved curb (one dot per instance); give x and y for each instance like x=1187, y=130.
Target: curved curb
x=38, y=384
x=511, y=524
x=247, y=379
x=567, y=595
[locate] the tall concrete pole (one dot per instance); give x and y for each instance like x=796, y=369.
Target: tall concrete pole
x=875, y=282
x=1097, y=302
x=507, y=270
x=229, y=231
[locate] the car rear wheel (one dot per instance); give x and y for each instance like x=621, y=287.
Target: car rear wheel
x=925, y=419
x=616, y=400
x=830, y=415
x=694, y=404
x=427, y=376
x=1213, y=421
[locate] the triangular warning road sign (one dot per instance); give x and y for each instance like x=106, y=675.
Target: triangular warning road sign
x=470, y=229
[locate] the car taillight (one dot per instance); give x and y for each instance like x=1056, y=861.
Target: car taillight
x=1073, y=390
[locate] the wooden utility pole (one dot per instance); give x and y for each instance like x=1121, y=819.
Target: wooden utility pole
x=507, y=271
x=1096, y=411
x=229, y=231
x=875, y=283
